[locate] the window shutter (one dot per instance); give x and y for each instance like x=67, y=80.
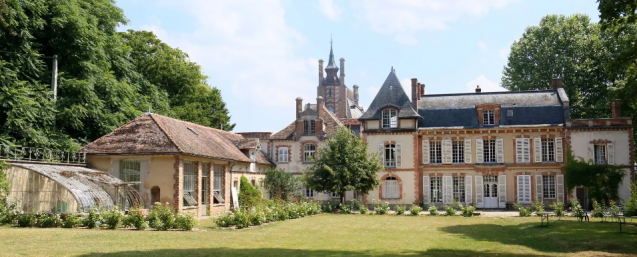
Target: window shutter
x=610, y=151
x=468, y=196
x=479, y=150
x=425, y=189
x=479, y=191
x=399, y=155
x=591, y=153
x=524, y=188
x=520, y=192
x=537, y=149
x=559, y=150
x=467, y=150
x=539, y=193
x=499, y=150
x=425, y=151
x=526, y=150
x=385, y=189
x=559, y=187
x=446, y=151
x=381, y=154
x=502, y=190
x=519, y=150
x=447, y=191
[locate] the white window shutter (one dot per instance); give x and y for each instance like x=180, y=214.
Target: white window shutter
x=467, y=150
x=610, y=151
x=524, y=188
x=479, y=151
x=425, y=189
x=385, y=189
x=526, y=149
x=520, y=192
x=591, y=153
x=479, y=191
x=519, y=150
x=559, y=187
x=399, y=155
x=502, y=190
x=381, y=154
x=447, y=189
x=425, y=151
x=559, y=150
x=499, y=149
x=539, y=193
x=468, y=196
x=447, y=157
x=537, y=149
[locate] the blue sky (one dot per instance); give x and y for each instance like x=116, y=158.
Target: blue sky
x=262, y=54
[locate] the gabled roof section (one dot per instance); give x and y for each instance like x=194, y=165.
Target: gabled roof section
x=285, y=134
x=332, y=123
x=390, y=94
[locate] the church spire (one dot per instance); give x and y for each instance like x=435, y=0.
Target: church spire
x=331, y=64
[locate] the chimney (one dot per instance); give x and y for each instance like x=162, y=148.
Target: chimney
x=478, y=90
x=342, y=71
x=422, y=90
x=299, y=107
x=319, y=106
x=415, y=88
x=321, y=77
x=356, y=94
x=557, y=83
x=617, y=108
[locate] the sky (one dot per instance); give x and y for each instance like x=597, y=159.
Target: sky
x=263, y=54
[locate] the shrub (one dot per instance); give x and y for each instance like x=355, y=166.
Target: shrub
x=456, y=205
x=257, y=218
x=613, y=209
x=248, y=195
x=225, y=220
x=71, y=221
x=113, y=218
x=135, y=219
x=631, y=205
x=415, y=210
x=185, y=221
x=241, y=219
x=537, y=206
x=468, y=211
x=328, y=207
x=382, y=209
x=525, y=212
x=93, y=219
x=49, y=221
x=577, y=208
x=598, y=209
x=345, y=209
x=26, y=220
x=161, y=217
x=400, y=210
x=450, y=210
x=558, y=208
x=363, y=209
x=433, y=211
x=354, y=205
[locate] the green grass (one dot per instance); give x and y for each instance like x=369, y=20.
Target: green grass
x=338, y=235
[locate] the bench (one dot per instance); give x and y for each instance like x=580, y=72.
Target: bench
x=622, y=221
x=582, y=217
x=544, y=216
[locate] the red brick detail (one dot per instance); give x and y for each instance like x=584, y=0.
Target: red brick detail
x=494, y=171
x=600, y=141
x=417, y=172
x=302, y=150
x=276, y=153
x=400, y=186
x=389, y=142
x=178, y=185
x=494, y=107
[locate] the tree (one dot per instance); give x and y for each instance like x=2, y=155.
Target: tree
x=343, y=165
x=248, y=195
x=279, y=183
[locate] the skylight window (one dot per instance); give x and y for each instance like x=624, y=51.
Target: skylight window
x=193, y=130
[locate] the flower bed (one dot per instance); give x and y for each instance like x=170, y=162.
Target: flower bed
x=270, y=211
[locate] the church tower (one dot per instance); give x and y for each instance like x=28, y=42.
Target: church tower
x=339, y=99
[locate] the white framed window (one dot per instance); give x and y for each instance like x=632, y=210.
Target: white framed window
x=190, y=180
x=600, y=154
x=283, y=154
x=218, y=183
x=205, y=184
x=489, y=154
x=458, y=189
x=390, y=155
x=305, y=127
x=436, y=189
x=312, y=127
x=308, y=192
x=488, y=117
x=129, y=171
x=548, y=150
x=308, y=152
x=548, y=187
x=390, y=118
x=391, y=189
x=435, y=152
x=457, y=151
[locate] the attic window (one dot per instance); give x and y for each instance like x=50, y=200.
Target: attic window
x=193, y=130
x=390, y=118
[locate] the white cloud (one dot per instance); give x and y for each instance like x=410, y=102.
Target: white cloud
x=485, y=84
x=403, y=18
x=329, y=9
x=504, y=53
x=483, y=46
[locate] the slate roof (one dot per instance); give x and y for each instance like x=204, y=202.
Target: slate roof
x=353, y=110
x=504, y=98
x=158, y=134
x=331, y=64
x=390, y=94
x=332, y=124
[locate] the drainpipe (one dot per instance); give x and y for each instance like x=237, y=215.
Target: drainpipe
x=232, y=180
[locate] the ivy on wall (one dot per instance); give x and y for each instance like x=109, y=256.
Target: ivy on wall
x=602, y=181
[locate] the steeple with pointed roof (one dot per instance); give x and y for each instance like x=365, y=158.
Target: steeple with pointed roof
x=331, y=69
x=391, y=94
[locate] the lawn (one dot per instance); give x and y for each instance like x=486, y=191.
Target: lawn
x=338, y=235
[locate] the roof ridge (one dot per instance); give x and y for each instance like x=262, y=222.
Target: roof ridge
x=165, y=133
x=105, y=135
x=494, y=92
x=185, y=121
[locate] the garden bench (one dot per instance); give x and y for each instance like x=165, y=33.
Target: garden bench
x=582, y=217
x=544, y=216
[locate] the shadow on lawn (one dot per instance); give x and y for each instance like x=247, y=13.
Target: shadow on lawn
x=560, y=237
x=295, y=252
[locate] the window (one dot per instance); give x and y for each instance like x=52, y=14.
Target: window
x=218, y=183
x=308, y=192
x=548, y=150
x=305, y=127
x=488, y=117
x=391, y=188
x=205, y=184
x=600, y=154
x=390, y=118
x=308, y=152
x=548, y=187
x=129, y=171
x=312, y=126
x=436, y=189
x=283, y=154
x=489, y=151
x=435, y=152
x=329, y=93
x=190, y=180
x=457, y=149
x=458, y=189
x=390, y=155
x=334, y=195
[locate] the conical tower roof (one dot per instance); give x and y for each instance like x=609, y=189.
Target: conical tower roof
x=390, y=94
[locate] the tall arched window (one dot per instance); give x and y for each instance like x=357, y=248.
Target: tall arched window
x=391, y=188
x=308, y=152
x=305, y=127
x=390, y=155
x=390, y=118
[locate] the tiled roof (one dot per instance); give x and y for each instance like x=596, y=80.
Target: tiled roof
x=390, y=94
x=331, y=125
x=263, y=159
x=157, y=134
x=350, y=121
x=287, y=133
x=247, y=143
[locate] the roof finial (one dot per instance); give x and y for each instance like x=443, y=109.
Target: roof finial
x=392, y=69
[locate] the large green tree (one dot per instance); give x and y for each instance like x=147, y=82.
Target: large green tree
x=343, y=165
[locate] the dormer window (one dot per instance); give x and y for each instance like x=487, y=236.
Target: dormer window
x=390, y=118
x=488, y=117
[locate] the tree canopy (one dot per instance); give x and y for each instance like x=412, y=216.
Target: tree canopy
x=343, y=165
x=106, y=78
x=280, y=184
